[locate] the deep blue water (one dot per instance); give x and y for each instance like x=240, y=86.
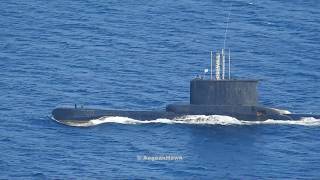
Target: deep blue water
x=141, y=55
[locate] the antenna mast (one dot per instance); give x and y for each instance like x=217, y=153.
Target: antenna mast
x=224, y=47
x=229, y=65
x=211, y=65
x=218, y=66
x=223, y=63
x=227, y=27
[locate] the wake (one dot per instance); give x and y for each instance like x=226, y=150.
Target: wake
x=192, y=119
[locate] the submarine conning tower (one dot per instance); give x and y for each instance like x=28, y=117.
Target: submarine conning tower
x=223, y=92
x=221, y=95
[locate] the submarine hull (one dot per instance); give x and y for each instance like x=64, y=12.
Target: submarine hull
x=83, y=114
x=174, y=111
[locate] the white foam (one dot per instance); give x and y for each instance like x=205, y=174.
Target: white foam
x=193, y=119
x=281, y=111
x=309, y=121
x=212, y=119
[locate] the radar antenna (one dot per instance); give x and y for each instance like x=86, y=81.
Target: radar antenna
x=227, y=27
x=220, y=56
x=224, y=47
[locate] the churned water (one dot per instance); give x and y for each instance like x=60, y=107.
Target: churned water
x=141, y=55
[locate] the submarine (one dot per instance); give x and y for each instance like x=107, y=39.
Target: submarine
x=217, y=95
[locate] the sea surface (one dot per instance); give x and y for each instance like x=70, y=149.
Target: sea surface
x=142, y=55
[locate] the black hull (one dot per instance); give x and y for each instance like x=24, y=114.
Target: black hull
x=86, y=114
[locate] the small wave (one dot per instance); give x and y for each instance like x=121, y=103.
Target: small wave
x=192, y=119
x=308, y=121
